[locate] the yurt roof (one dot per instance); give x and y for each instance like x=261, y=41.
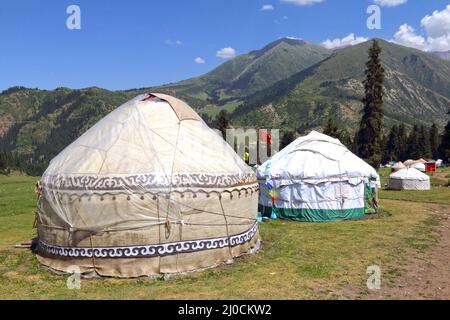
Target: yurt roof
x=316, y=157
x=154, y=141
x=399, y=165
x=418, y=165
x=409, y=174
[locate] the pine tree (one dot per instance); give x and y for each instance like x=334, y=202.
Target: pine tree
x=444, y=148
x=393, y=143
x=223, y=122
x=346, y=140
x=413, y=149
x=287, y=138
x=385, y=154
x=2, y=161
x=331, y=129
x=391, y=146
x=369, y=134
x=424, y=143
x=401, y=153
x=434, y=141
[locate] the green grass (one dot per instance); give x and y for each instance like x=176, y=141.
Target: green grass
x=17, y=208
x=213, y=111
x=297, y=260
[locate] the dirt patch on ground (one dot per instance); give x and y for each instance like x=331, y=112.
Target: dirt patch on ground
x=425, y=275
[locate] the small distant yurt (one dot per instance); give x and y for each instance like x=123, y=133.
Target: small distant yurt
x=148, y=190
x=398, y=166
x=316, y=178
x=409, y=179
x=408, y=162
x=419, y=166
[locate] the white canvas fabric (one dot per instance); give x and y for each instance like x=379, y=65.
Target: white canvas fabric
x=315, y=172
x=419, y=166
x=409, y=179
x=151, y=172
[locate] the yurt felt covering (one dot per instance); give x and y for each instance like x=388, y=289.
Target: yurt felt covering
x=149, y=189
x=315, y=179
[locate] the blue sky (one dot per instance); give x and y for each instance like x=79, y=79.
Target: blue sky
x=137, y=43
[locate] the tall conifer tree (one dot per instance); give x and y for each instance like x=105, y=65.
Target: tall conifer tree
x=369, y=134
x=434, y=141
x=444, y=148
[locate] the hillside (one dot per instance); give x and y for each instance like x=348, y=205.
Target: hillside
x=252, y=72
x=42, y=122
x=289, y=84
x=417, y=90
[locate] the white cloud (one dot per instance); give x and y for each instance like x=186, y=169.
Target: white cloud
x=173, y=42
x=406, y=35
x=437, y=32
x=226, y=53
x=200, y=60
x=303, y=2
x=349, y=40
x=267, y=7
x=438, y=24
x=390, y=3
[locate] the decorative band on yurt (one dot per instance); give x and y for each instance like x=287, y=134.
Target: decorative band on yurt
x=144, y=181
x=149, y=251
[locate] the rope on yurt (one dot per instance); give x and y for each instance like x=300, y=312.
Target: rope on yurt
x=211, y=212
x=159, y=232
x=169, y=196
x=152, y=225
x=226, y=224
x=93, y=255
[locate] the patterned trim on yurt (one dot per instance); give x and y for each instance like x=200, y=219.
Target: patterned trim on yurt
x=144, y=181
x=149, y=251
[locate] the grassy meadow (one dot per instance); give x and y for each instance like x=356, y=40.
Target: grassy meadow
x=296, y=261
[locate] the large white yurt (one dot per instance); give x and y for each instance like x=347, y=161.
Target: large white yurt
x=148, y=190
x=316, y=178
x=409, y=179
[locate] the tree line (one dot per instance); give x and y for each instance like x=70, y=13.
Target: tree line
x=399, y=144
x=25, y=163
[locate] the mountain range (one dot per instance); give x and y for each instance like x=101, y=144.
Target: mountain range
x=288, y=84
x=443, y=54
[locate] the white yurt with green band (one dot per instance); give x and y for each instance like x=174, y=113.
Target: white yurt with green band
x=150, y=189
x=316, y=178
